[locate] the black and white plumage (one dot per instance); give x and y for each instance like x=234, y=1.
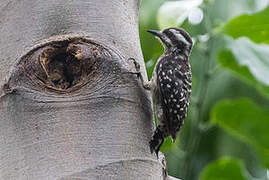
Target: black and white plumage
x=170, y=84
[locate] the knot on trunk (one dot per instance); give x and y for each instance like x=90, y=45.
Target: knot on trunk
x=64, y=66
x=67, y=65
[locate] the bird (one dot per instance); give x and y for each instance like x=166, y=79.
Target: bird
x=170, y=85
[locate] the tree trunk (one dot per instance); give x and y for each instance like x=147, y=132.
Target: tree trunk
x=69, y=108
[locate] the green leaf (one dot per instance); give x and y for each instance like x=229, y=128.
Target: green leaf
x=254, y=26
x=249, y=61
x=167, y=145
x=247, y=121
x=225, y=169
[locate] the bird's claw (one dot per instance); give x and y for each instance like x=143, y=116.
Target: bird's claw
x=137, y=66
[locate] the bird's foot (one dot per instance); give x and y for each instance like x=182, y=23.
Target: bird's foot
x=136, y=64
x=137, y=67
x=146, y=84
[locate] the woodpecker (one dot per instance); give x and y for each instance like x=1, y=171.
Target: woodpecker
x=170, y=84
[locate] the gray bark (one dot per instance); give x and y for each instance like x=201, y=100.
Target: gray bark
x=100, y=130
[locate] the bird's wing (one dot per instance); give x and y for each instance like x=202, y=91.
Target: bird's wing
x=174, y=95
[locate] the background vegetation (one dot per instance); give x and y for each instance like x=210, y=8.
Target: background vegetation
x=226, y=134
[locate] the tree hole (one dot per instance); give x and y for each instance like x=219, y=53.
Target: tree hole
x=67, y=66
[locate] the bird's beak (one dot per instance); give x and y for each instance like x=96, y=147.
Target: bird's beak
x=165, y=41
x=156, y=33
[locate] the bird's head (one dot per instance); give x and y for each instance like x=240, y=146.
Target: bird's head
x=174, y=38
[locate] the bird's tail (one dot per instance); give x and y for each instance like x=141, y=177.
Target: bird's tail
x=157, y=140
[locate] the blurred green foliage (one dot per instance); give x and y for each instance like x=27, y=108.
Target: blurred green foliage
x=225, y=134
x=245, y=120
x=225, y=169
x=228, y=60
x=254, y=26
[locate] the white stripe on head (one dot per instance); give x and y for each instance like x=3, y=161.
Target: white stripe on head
x=180, y=37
